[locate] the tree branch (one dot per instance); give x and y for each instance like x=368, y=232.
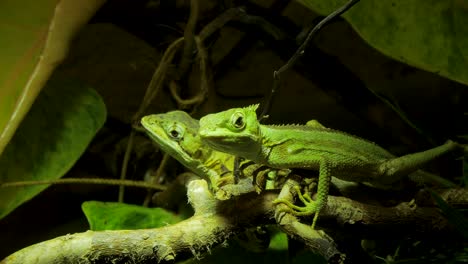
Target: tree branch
x=216, y=221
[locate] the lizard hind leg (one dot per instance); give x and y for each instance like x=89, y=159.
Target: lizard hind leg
x=312, y=206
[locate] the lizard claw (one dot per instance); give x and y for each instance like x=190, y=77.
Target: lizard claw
x=310, y=206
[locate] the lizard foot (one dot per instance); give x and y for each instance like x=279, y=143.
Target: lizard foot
x=310, y=206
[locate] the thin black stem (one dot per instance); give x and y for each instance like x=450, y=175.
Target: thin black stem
x=300, y=51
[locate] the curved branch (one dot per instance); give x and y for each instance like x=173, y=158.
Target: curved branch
x=216, y=221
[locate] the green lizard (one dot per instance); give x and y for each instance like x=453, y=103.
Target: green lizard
x=331, y=152
x=177, y=134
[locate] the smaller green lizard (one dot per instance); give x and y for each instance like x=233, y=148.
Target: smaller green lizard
x=176, y=133
x=331, y=152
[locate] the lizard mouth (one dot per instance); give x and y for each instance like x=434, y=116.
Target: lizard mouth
x=224, y=137
x=225, y=143
x=205, y=133
x=218, y=136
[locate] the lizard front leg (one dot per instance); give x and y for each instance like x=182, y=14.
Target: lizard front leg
x=310, y=206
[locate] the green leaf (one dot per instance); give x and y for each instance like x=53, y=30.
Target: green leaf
x=35, y=35
x=427, y=34
x=279, y=241
x=117, y=216
x=56, y=131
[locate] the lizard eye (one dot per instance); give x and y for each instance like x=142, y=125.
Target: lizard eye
x=237, y=120
x=176, y=132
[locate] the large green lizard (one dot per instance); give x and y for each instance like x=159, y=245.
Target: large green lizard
x=331, y=152
x=177, y=134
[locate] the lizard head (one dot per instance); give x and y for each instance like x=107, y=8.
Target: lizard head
x=235, y=131
x=176, y=133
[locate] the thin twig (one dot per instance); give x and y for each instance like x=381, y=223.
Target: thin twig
x=189, y=39
x=300, y=51
x=183, y=103
x=158, y=77
x=156, y=178
x=140, y=184
x=123, y=170
x=202, y=56
x=220, y=21
x=204, y=80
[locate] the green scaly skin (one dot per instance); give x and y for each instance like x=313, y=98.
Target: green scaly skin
x=331, y=152
x=176, y=133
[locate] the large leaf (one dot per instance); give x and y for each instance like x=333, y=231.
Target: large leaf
x=35, y=35
x=54, y=134
x=428, y=34
x=118, y=216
